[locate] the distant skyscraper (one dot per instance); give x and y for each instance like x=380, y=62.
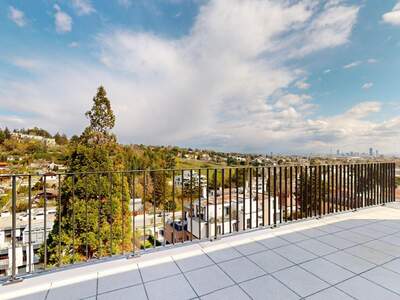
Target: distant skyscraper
x=337, y=152
x=371, y=152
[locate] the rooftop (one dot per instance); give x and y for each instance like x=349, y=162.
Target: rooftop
x=343, y=256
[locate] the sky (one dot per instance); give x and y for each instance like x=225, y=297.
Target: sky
x=260, y=76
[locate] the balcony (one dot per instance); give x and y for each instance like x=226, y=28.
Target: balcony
x=353, y=254
x=288, y=232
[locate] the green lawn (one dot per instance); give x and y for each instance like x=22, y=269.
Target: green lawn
x=196, y=164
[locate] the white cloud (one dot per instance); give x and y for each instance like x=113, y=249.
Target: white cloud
x=393, y=17
x=125, y=3
x=26, y=63
x=330, y=28
x=360, y=62
x=353, y=131
x=302, y=85
x=63, y=21
x=217, y=87
x=363, y=109
x=352, y=64
x=367, y=85
x=73, y=45
x=17, y=16
x=372, y=61
x=327, y=71
x=83, y=7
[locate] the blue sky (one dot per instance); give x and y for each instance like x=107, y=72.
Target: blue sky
x=240, y=75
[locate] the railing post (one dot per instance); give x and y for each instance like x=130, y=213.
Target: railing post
x=45, y=222
x=275, y=208
x=393, y=182
x=30, y=249
x=13, y=278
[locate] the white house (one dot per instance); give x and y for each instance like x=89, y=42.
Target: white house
x=24, y=251
x=230, y=216
x=185, y=180
x=46, y=141
x=137, y=202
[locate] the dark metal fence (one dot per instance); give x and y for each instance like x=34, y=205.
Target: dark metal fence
x=59, y=219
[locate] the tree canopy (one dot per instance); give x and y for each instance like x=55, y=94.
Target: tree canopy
x=101, y=118
x=94, y=212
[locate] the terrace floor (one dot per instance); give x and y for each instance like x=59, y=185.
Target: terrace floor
x=354, y=255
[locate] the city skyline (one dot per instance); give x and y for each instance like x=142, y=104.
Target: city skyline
x=245, y=76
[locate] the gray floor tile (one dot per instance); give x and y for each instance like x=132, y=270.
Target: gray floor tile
x=134, y=292
x=385, y=247
x=335, y=241
x=223, y=254
x=300, y=281
x=295, y=253
x=353, y=237
x=316, y=247
x=250, y=248
x=393, y=265
x=392, y=224
x=361, y=288
x=119, y=280
x=294, y=237
x=381, y=228
x=269, y=261
x=274, y=242
x=392, y=239
x=158, y=271
x=267, y=287
x=194, y=262
x=371, y=255
x=348, y=224
x=329, y=228
x=369, y=232
x=330, y=294
x=230, y=293
x=384, y=277
x=175, y=287
x=241, y=269
x=74, y=291
x=350, y=262
x=208, y=279
x=327, y=271
x=35, y=296
x=313, y=232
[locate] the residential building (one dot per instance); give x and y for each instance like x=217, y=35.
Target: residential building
x=23, y=136
x=235, y=211
x=3, y=166
x=176, y=232
x=136, y=204
x=24, y=252
x=185, y=180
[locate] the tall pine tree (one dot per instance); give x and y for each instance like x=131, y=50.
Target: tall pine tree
x=94, y=212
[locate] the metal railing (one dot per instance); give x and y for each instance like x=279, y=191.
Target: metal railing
x=67, y=218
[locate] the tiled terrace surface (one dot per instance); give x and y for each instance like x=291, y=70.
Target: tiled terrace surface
x=354, y=255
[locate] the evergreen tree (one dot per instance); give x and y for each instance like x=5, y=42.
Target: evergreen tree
x=94, y=212
x=60, y=139
x=102, y=120
x=2, y=136
x=7, y=133
x=308, y=194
